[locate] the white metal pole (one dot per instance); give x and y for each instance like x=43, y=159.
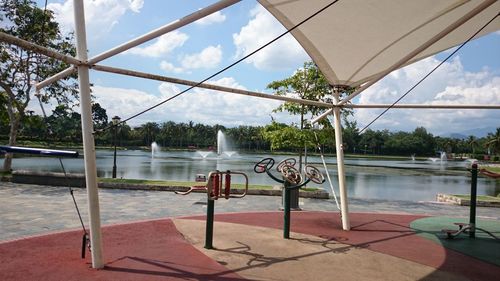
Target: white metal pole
x=164, y=29
x=150, y=76
x=146, y=37
x=426, y=106
x=88, y=138
x=205, y=85
x=346, y=225
x=61, y=75
x=4, y=37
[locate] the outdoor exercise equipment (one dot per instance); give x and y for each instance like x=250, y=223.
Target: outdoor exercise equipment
x=490, y=174
x=59, y=154
x=218, y=185
x=470, y=227
x=291, y=179
x=199, y=178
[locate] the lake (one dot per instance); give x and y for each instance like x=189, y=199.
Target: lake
x=367, y=178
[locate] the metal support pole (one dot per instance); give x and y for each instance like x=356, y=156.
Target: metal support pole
x=88, y=138
x=286, y=211
x=473, y=199
x=346, y=225
x=209, y=230
x=155, y=77
x=146, y=37
x=114, y=155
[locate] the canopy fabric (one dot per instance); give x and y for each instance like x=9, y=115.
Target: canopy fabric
x=353, y=41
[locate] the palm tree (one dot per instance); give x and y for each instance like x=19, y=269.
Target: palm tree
x=148, y=132
x=494, y=142
x=472, y=142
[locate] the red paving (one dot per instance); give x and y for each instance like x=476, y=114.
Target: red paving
x=152, y=250
x=156, y=250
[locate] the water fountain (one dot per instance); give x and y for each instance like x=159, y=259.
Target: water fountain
x=223, y=145
x=229, y=153
x=155, y=148
x=413, y=157
x=443, y=157
x=204, y=154
x=221, y=142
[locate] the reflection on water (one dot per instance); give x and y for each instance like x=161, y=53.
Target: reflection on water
x=366, y=178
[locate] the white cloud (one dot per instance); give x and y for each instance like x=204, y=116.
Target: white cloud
x=213, y=107
x=450, y=84
x=285, y=53
x=168, y=67
x=124, y=102
x=216, y=17
x=209, y=57
x=136, y=5
x=198, y=105
x=100, y=16
x=162, y=46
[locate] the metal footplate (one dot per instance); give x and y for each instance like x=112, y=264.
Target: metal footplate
x=465, y=228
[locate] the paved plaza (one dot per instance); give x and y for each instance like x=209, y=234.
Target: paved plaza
x=34, y=209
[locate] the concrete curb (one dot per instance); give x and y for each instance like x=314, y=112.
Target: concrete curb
x=447, y=198
x=78, y=180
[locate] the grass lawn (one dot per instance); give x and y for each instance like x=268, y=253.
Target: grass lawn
x=485, y=198
x=175, y=183
x=188, y=183
x=494, y=169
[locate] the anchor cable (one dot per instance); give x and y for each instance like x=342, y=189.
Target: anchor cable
x=49, y=132
x=326, y=171
x=72, y=195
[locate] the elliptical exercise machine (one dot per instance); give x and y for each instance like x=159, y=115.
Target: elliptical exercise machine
x=291, y=179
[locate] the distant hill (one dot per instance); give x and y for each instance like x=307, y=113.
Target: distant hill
x=478, y=132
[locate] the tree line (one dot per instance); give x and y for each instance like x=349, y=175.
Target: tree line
x=64, y=126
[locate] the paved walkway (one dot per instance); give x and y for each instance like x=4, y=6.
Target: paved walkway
x=32, y=209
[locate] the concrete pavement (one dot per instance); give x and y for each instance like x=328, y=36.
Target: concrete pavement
x=33, y=209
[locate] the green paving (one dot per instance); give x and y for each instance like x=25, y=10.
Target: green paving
x=483, y=247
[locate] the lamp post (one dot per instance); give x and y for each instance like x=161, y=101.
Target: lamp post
x=116, y=121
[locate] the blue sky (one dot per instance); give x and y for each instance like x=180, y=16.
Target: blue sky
x=198, y=50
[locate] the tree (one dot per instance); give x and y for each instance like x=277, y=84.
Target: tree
x=34, y=126
x=350, y=135
x=148, y=132
x=424, y=141
x=4, y=118
x=284, y=137
x=20, y=68
x=99, y=116
x=493, y=142
x=373, y=141
x=472, y=142
x=306, y=83
x=65, y=124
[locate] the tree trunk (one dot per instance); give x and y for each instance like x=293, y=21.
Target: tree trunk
x=303, y=144
x=14, y=125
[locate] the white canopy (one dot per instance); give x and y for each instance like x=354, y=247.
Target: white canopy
x=354, y=41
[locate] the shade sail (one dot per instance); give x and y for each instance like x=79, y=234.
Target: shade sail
x=354, y=41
